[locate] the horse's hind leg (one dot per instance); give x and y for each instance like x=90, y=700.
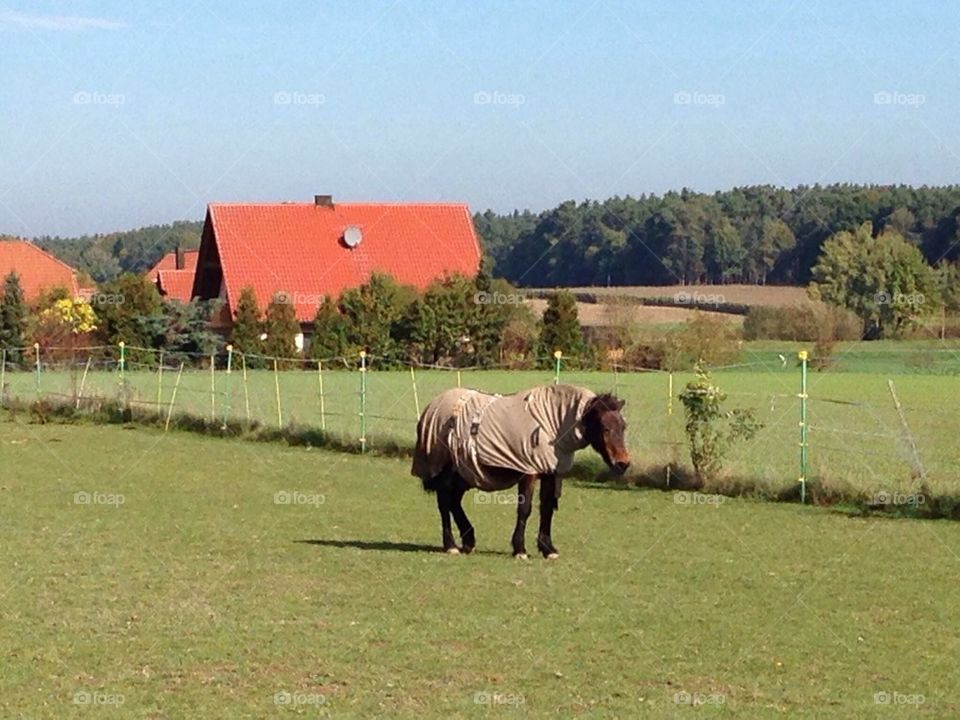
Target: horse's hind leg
x=444, y=505
x=524, y=505
x=548, y=504
x=467, y=533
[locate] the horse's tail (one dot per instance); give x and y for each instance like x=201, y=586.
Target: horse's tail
x=421, y=462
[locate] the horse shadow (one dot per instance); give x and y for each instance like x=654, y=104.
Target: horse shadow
x=388, y=546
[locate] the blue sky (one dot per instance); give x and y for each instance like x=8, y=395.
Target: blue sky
x=120, y=114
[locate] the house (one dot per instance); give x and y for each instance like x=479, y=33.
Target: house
x=38, y=270
x=174, y=274
x=308, y=251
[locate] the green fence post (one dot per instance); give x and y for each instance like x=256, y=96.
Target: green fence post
x=803, y=426
x=557, y=354
x=160, y=382
x=276, y=385
x=226, y=391
x=213, y=388
x=363, y=401
x=3, y=373
x=323, y=403
x=36, y=352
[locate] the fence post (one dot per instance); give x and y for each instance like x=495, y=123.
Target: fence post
x=276, y=384
x=803, y=426
x=83, y=382
x=246, y=390
x=213, y=388
x=36, y=351
x=173, y=398
x=160, y=381
x=123, y=360
x=363, y=401
x=917, y=464
x=557, y=354
x=3, y=372
x=416, y=397
x=226, y=390
x=670, y=394
x=323, y=404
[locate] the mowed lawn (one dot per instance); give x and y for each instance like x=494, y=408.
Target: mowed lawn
x=205, y=594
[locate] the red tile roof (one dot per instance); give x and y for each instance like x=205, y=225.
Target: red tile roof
x=298, y=248
x=176, y=284
x=37, y=269
x=169, y=262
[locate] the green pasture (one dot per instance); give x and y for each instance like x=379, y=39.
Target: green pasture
x=152, y=575
x=857, y=436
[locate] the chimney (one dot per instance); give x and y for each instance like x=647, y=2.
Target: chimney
x=323, y=200
x=181, y=260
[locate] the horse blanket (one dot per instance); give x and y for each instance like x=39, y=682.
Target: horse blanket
x=535, y=431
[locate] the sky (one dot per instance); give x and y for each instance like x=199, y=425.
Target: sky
x=115, y=115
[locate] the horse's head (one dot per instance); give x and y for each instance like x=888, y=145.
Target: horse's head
x=603, y=430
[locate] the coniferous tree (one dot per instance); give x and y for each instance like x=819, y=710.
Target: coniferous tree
x=329, y=332
x=13, y=317
x=281, y=327
x=247, y=328
x=560, y=329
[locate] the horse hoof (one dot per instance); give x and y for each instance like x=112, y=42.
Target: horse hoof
x=467, y=549
x=520, y=556
x=552, y=556
x=453, y=551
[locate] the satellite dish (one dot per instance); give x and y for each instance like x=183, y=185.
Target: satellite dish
x=352, y=236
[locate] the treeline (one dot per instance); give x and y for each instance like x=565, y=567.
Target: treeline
x=106, y=257
x=756, y=234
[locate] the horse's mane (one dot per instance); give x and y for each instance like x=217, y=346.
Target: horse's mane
x=606, y=401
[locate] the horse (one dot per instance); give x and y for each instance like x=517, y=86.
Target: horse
x=467, y=439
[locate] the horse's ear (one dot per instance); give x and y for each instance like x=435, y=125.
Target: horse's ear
x=620, y=404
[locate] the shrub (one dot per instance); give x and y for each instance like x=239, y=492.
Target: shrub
x=702, y=338
x=806, y=323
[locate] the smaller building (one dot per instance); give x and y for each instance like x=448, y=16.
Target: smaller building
x=173, y=275
x=38, y=270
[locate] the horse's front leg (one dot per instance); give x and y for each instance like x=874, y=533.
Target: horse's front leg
x=524, y=505
x=549, y=501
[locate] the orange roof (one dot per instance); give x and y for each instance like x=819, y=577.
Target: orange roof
x=176, y=284
x=299, y=248
x=169, y=262
x=37, y=269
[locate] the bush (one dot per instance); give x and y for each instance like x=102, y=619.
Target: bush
x=702, y=338
x=805, y=323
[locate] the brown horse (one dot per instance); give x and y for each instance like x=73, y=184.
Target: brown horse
x=467, y=439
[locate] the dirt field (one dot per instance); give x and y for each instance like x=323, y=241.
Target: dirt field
x=602, y=314
x=745, y=294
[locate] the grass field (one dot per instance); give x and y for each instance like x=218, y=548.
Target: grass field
x=856, y=434
x=199, y=595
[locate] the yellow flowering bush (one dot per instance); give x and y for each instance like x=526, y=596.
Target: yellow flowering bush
x=73, y=313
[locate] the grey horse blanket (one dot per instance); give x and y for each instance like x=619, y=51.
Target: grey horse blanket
x=535, y=431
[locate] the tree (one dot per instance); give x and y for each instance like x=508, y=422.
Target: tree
x=329, y=332
x=13, y=318
x=560, y=327
x=186, y=330
x=281, y=326
x=130, y=310
x=883, y=279
x=247, y=328
x=370, y=312
x=776, y=237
